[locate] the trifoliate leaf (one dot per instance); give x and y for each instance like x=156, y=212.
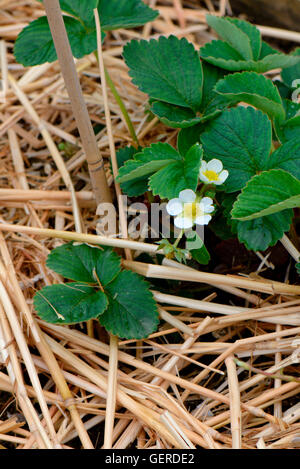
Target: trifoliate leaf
x=259, y=234
x=255, y=90
x=132, y=311
x=269, y=192
x=241, y=138
x=69, y=303
x=167, y=69
x=177, y=176
x=84, y=263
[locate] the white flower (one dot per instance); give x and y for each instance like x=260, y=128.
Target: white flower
x=213, y=172
x=189, y=211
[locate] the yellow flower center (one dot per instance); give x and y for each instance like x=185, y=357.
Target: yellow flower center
x=191, y=210
x=211, y=175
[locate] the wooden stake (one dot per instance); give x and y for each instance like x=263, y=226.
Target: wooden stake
x=66, y=61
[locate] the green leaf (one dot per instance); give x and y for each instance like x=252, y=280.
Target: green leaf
x=253, y=34
x=156, y=69
x=148, y=161
x=298, y=267
x=269, y=192
x=255, y=90
x=290, y=129
x=259, y=234
x=266, y=50
x=196, y=247
x=243, y=48
x=177, y=176
x=232, y=34
x=279, y=60
x=290, y=74
x=211, y=76
x=69, y=303
x=137, y=186
x=116, y=14
x=34, y=45
x=241, y=138
x=174, y=116
x=222, y=55
x=287, y=157
x=188, y=137
x=79, y=262
x=132, y=311
x=83, y=9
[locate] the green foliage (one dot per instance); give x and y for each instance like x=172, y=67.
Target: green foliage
x=269, y=192
x=260, y=233
x=134, y=187
x=290, y=74
x=171, y=251
x=69, y=303
x=241, y=138
x=254, y=89
x=131, y=312
x=115, y=14
x=35, y=46
x=168, y=171
x=242, y=48
x=121, y=300
x=156, y=70
x=181, y=92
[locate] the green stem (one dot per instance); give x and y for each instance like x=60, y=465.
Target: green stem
x=281, y=376
x=121, y=105
x=178, y=239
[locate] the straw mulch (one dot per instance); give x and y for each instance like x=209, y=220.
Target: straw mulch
x=222, y=375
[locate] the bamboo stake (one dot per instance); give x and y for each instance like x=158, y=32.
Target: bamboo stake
x=66, y=61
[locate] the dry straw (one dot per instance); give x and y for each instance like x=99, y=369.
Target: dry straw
x=220, y=373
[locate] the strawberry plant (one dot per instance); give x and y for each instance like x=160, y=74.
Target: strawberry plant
x=237, y=157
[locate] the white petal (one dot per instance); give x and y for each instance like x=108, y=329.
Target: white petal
x=215, y=165
x=203, y=178
x=187, y=196
x=208, y=209
x=174, y=207
x=203, y=166
x=204, y=220
x=206, y=202
x=222, y=177
x=183, y=222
